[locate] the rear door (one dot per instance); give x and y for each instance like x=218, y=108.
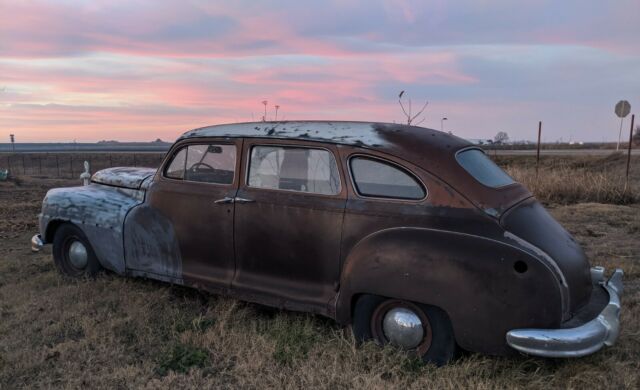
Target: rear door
x=195, y=191
x=289, y=211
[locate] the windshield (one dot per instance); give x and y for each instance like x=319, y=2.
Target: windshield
x=483, y=169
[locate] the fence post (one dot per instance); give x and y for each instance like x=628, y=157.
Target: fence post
x=538, y=150
x=626, y=180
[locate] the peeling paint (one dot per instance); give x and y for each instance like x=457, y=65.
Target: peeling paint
x=99, y=210
x=151, y=245
x=126, y=177
x=350, y=133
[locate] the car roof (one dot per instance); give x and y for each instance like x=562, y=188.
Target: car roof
x=375, y=135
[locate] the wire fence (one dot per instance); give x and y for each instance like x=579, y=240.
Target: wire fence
x=71, y=165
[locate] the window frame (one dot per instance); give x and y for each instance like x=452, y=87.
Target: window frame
x=179, y=148
x=393, y=164
x=247, y=168
x=513, y=183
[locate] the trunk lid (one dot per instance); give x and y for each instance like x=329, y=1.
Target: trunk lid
x=123, y=177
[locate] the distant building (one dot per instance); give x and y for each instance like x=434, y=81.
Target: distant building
x=480, y=141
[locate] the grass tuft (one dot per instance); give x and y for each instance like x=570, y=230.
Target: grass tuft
x=181, y=358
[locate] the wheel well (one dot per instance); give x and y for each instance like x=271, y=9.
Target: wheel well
x=52, y=227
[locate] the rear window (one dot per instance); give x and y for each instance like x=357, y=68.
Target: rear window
x=483, y=169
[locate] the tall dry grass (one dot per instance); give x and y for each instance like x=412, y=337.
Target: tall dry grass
x=573, y=180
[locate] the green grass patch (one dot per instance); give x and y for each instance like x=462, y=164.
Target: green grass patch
x=294, y=338
x=181, y=358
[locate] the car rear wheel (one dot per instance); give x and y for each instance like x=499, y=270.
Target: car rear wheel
x=73, y=254
x=423, y=330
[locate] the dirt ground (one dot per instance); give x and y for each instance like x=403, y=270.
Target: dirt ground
x=116, y=332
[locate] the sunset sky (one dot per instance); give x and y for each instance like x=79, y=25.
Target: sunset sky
x=141, y=70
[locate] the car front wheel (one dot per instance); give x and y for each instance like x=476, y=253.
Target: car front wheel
x=73, y=254
x=421, y=329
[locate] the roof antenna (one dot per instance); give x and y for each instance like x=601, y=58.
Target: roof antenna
x=407, y=111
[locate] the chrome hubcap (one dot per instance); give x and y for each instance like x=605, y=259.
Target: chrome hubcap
x=78, y=254
x=403, y=327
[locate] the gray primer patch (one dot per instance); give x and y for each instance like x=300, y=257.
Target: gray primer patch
x=126, y=177
x=350, y=133
x=99, y=211
x=151, y=246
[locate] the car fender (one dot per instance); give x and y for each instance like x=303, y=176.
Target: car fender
x=99, y=211
x=472, y=278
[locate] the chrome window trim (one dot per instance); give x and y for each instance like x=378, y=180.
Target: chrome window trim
x=388, y=162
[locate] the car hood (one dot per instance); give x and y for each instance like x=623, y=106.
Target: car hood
x=532, y=223
x=123, y=177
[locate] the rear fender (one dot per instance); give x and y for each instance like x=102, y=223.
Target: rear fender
x=470, y=277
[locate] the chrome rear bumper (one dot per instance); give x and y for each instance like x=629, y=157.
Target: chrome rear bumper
x=582, y=340
x=36, y=243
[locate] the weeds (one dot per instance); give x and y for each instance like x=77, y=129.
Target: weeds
x=293, y=337
x=180, y=358
x=569, y=181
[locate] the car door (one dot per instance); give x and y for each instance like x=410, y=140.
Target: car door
x=194, y=190
x=289, y=211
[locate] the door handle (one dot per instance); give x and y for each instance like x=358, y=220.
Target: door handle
x=224, y=200
x=243, y=200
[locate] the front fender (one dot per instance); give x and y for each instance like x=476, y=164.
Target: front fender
x=99, y=211
x=472, y=278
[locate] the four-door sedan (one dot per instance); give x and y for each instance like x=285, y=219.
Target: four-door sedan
x=410, y=235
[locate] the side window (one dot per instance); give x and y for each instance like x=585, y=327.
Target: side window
x=294, y=169
x=382, y=180
x=175, y=170
x=206, y=163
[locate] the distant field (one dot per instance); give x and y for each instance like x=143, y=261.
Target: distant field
x=561, y=152
x=69, y=165
x=122, y=333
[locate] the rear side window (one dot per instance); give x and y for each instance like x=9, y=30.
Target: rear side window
x=483, y=169
x=383, y=180
x=294, y=169
x=206, y=163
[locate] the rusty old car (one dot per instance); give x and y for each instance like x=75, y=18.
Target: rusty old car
x=411, y=236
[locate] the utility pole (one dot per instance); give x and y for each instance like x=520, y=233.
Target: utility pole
x=264, y=118
x=277, y=108
x=13, y=142
x=442, y=124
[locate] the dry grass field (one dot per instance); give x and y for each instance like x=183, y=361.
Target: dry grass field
x=115, y=332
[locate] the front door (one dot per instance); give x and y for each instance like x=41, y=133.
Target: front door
x=289, y=210
x=195, y=192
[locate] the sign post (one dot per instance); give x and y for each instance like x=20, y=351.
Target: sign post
x=622, y=110
x=626, y=180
